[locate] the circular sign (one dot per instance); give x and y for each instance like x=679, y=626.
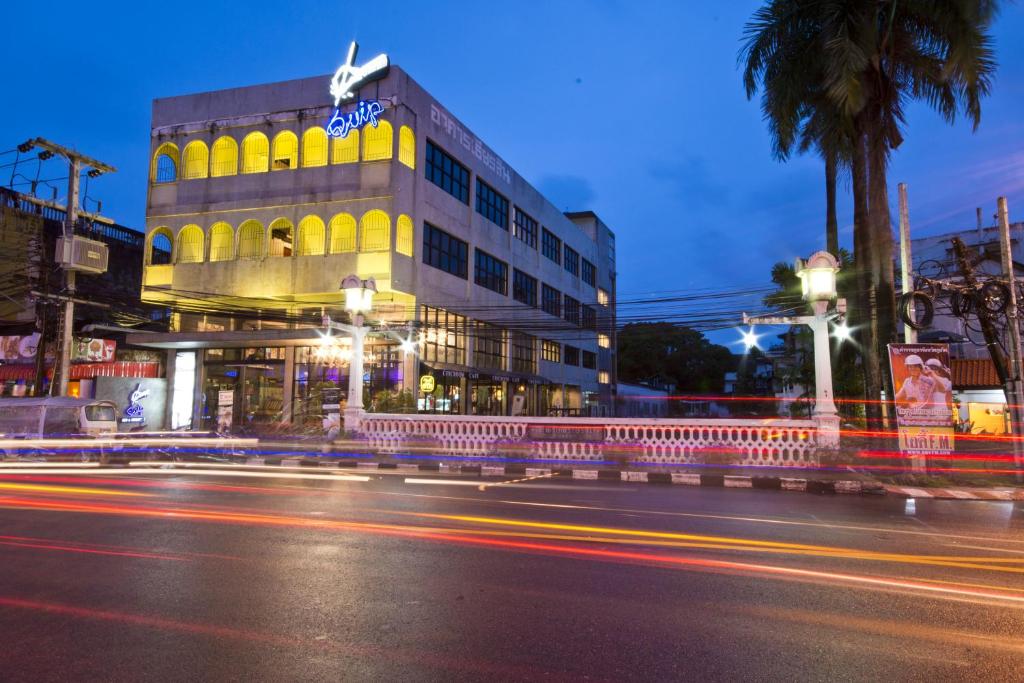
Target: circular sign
x=427, y=384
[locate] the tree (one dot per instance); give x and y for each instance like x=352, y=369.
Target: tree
x=841, y=71
x=662, y=353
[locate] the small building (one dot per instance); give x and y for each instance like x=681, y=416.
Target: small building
x=979, y=397
x=639, y=400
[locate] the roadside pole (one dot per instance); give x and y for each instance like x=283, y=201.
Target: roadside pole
x=906, y=264
x=1012, y=320
x=68, y=319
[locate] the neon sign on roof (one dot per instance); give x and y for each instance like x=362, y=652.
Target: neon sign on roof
x=346, y=80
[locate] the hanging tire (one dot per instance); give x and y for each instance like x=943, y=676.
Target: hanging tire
x=914, y=302
x=961, y=303
x=995, y=296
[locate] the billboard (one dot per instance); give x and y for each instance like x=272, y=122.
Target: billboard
x=923, y=384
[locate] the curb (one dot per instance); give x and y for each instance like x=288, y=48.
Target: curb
x=955, y=494
x=851, y=486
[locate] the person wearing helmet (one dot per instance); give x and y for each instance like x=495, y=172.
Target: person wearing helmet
x=917, y=389
x=942, y=396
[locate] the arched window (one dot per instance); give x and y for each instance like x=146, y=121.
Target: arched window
x=343, y=234
x=407, y=146
x=255, y=153
x=195, y=160
x=250, y=240
x=311, y=236
x=375, y=231
x=286, y=151
x=314, y=147
x=190, y=244
x=159, y=251
x=222, y=242
x=224, y=157
x=281, y=234
x=377, y=142
x=403, y=235
x=345, y=150
x=165, y=164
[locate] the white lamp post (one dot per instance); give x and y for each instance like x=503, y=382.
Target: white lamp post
x=818, y=282
x=358, y=301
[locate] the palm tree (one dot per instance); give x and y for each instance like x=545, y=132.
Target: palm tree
x=850, y=67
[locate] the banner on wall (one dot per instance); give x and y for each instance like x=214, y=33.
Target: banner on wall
x=93, y=350
x=923, y=386
x=19, y=349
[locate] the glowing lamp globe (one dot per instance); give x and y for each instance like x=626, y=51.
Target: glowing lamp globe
x=818, y=276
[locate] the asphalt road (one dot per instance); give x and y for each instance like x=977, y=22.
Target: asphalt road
x=127, y=575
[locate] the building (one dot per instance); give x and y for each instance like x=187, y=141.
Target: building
x=507, y=302
x=640, y=400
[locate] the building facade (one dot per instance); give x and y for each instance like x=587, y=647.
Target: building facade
x=504, y=301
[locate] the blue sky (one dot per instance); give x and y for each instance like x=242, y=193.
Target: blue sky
x=632, y=109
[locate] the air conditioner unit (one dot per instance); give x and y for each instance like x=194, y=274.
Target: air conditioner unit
x=81, y=254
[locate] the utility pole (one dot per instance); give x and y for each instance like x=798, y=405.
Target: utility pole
x=1014, y=398
x=63, y=369
x=988, y=329
x=906, y=265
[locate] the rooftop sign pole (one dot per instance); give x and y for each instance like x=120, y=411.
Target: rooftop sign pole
x=346, y=80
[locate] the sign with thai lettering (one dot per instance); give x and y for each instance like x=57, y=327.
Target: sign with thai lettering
x=565, y=432
x=923, y=384
x=346, y=80
x=427, y=384
x=471, y=143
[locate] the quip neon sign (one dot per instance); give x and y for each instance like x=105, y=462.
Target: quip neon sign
x=346, y=80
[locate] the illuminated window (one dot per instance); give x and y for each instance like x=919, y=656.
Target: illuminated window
x=603, y=377
x=604, y=341
x=195, y=160
x=345, y=150
x=407, y=146
x=375, y=231
x=444, y=336
x=281, y=237
x=250, y=239
x=314, y=147
x=159, y=252
x=403, y=235
x=222, y=242
x=343, y=233
x=551, y=351
x=165, y=164
x=255, y=153
x=488, y=346
x=377, y=142
x=524, y=352
x=285, y=153
x=602, y=297
x=311, y=236
x=224, y=157
x=190, y=244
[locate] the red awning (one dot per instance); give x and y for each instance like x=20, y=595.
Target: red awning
x=14, y=372
x=86, y=370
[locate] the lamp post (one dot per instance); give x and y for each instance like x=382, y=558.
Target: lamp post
x=818, y=283
x=358, y=301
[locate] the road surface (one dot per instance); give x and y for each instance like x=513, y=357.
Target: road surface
x=272, y=574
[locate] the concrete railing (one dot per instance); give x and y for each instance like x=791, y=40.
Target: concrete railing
x=769, y=442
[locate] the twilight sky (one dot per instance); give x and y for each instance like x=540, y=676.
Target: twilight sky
x=632, y=109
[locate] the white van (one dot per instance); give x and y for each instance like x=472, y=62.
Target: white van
x=25, y=419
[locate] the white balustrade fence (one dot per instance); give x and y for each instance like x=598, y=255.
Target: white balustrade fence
x=774, y=442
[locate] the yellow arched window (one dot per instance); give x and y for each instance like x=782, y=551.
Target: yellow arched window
x=250, y=240
x=190, y=244
x=375, y=231
x=285, y=152
x=164, y=168
x=345, y=150
x=314, y=147
x=255, y=153
x=222, y=242
x=403, y=235
x=343, y=234
x=281, y=237
x=224, y=157
x=311, y=236
x=407, y=146
x=195, y=160
x=158, y=252
x=377, y=142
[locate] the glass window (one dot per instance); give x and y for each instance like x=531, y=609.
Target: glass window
x=524, y=288
x=572, y=260
x=572, y=355
x=343, y=233
x=525, y=228
x=377, y=141
x=374, y=231
x=572, y=310
x=551, y=246
x=490, y=273
x=255, y=153
x=551, y=351
x=524, y=352
x=588, y=273
x=589, y=317
x=604, y=341
x=285, y=151
x=345, y=150
x=603, y=377
x=491, y=205
x=445, y=252
x=224, y=157
x=589, y=360
x=488, y=346
x=195, y=160
x=314, y=147
x=311, y=236
x=444, y=336
x=447, y=173
x=404, y=235
x=602, y=297
x=250, y=240
x=407, y=146
x=222, y=242
x=190, y=244
x=551, y=301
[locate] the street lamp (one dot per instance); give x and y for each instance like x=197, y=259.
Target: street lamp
x=818, y=283
x=358, y=301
